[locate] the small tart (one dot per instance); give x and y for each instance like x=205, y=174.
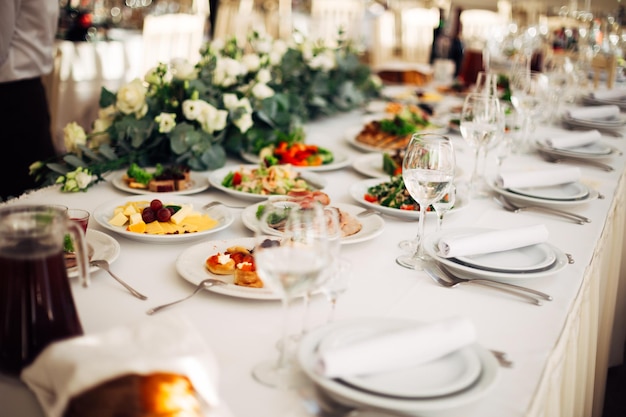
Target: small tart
x=220, y=264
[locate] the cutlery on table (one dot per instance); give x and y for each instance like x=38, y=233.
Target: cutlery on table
x=207, y=283
x=104, y=265
x=445, y=279
x=512, y=207
x=368, y=212
x=607, y=132
x=558, y=159
x=220, y=203
x=502, y=358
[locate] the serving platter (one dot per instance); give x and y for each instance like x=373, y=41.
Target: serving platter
x=199, y=183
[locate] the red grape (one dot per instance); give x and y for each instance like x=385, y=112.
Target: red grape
x=156, y=205
x=148, y=215
x=164, y=214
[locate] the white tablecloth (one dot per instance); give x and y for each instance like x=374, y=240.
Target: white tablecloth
x=561, y=349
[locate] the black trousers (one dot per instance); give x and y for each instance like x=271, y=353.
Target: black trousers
x=24, y=134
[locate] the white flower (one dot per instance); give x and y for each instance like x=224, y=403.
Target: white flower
x=227, y=70
x=77, y=180
x=211, y=119
x=244, y=122
x=74, y=135
x=279, y=48
x=100, y=135
x=131, y=98
x=252, y=62
x=263, y=44
x=192, y=109
x=231, y=102
x=184, y=70
x=107, y=113
x=262, y=91
x=151, y=76
x=264, y=76
x=166, y=121
x=216, y=45
x=324, y=61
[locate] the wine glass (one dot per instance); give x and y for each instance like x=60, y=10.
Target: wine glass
x=487, y=83
x=481, y=120
x=443, y=205
x=290, y=264
x=559, y=70
x=427, y=169
x=337, y=284
x=529, y=94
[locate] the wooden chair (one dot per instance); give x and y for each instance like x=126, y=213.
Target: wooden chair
x=604, y=64
x=234, y=18
x=330, y=16
x=170, y=36
x=418, y=25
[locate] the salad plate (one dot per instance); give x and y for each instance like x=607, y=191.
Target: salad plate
x=371, y=226
x=220, y=213
x=359, y=189
x=199, y=183
x=190, y=264
x=217, y=177
x=506, y=266
x=562, y=195
x=433, y=391
x=340, y=160
x=103, y=246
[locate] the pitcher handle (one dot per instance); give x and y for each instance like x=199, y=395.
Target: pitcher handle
x=80, y=245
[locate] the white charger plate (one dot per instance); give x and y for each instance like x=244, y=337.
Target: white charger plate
x=340, y=160
x=308, y=353
x=444, y=376
x=359, y=189
x=513, y=257
x=525, y=199
x=216, y=177
x=371, y=226
x=199, y=183
x=104, y=213
x=561, y=192
x=190, y=264
x=104, y=247
x=594, y=150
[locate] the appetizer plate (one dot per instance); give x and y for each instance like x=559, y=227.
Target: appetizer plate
x=565, y=194
x=359, y=189
x=520, y=263
x=591, y=151
x=190, y=264
x=216, y=177
x=371, y=165
x=199, y=182
x=371, y=226
x=351, y=134
x=440, y=381
x=104, y=213
x=340, y=160
x=104, y=247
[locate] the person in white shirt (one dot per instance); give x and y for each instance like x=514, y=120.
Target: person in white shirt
x=27, y=33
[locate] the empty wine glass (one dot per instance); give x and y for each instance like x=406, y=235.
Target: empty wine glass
x=427, y=169
x=337, y=284
x=443, y=205
x=530, y=95
x=487, y=83
x=290, y=264
x=559, y=70
x=481, y=121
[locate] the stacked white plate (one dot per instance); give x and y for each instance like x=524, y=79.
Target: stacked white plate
x=616, y=122
x=446, y=384
x=595, y=150
x=569, y=194
x=616, y=100
x=534, y=261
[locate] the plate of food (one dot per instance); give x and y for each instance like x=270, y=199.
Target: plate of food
x=100, y=246
x=159, y=179
x=197, y=263
x=389, y=196
x=256, y=182
x=354, y=229
x=377, y=165
x=144, y=220
x=300, y=155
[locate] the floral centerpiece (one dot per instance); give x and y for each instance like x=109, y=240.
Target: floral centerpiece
x=235, y=99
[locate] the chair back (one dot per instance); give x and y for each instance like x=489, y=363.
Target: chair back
x=418, y=25
x=171, y=36
x=329, y=16
x=234, y=18
x=384, y=46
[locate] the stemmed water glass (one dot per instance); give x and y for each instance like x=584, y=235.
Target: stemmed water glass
x=291, y=265
x=337, y=284
x=530, y=93
x=443, y=205
x=481, y=121
x=427, y=169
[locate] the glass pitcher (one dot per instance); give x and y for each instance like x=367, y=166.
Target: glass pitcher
x=36, y=303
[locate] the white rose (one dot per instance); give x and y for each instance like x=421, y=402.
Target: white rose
x=74, y=135
x=226, y=72
x=184, y=70
x=131, y=98
x=212, y=119
x=166, y=121
x=192, y=109
x=244, y=122
x=264, y=76
x=107, y=113
x=252, y=62
x=324, y=61
x=230, y=101
x=83, y=179
x=151, y=76
x=99, y=135
x=262, y=91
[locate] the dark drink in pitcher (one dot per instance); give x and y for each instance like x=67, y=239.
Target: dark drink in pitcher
x=36, y=304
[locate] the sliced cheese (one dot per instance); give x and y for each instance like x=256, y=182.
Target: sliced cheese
x=118, y=220
x=179, y=216
x=135, y=218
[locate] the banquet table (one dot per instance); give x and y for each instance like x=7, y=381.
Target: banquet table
x=561, y=350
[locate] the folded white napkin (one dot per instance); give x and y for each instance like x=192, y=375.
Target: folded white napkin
x=160, y=344
x=538, y=177
x=574, y=139
x=492, y=241
x=399, y=349
x=593, y=112
x=612, y=94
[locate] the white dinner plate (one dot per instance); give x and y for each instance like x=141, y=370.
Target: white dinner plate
x=593, y=150
x=199, y=182
x=371, y=226
x=531, y=258
x=344, y=393
x=216, y=177
x=340, y=160
x=516, y=258
x=444, y=376
x=190, y=264
x=525, y=199
x=609, y=123
x=359, y=189
x=351, y=134
x=587, y=99
x=221, y=213
x=371, y=165
x=561, y=192
x=104, y=247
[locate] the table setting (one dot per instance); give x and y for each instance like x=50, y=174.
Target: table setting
x=242, y=325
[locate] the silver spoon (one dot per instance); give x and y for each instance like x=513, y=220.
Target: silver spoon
x=207, y=283
x=103, y=264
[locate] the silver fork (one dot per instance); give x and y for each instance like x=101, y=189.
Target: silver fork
x=207, y=283
x=218, y=203
x=510, y=206
x=368, y=212
x=104, y=265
